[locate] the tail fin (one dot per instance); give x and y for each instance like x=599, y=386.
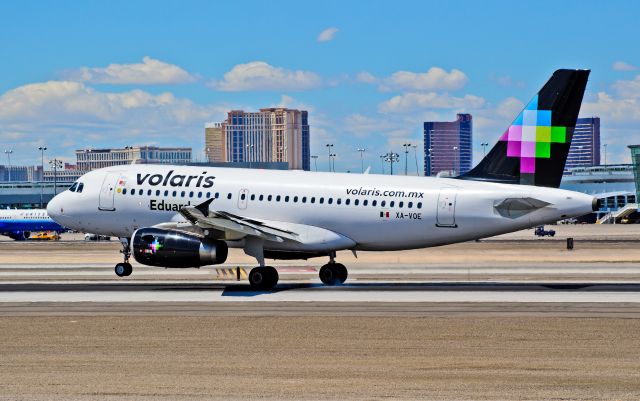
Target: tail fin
x=533, y=150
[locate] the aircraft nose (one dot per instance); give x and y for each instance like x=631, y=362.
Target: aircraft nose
x=55, y=209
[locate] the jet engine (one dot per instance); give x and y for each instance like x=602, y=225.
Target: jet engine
x=165, y=248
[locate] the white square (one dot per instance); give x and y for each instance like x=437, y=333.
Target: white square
x=530, y=117
x=528, y=133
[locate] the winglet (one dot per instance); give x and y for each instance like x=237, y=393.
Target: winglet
x=204, y=207
x=368, y=170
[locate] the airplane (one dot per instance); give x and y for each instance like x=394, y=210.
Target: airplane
x=18, y=224
x=187, y=216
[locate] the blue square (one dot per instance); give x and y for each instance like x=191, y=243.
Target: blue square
x=544, y=118
x=533, y=104
x=518, y=120
x=529, y=118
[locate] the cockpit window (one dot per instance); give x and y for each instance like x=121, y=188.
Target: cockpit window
x=74, y=187
x=80, y=187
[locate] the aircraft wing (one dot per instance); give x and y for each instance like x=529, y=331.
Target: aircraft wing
x=234, y=226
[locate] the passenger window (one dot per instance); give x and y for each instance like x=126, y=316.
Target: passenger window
x=191, y=194
x=313, y=199
x=286, y=198
x=338, y=201
x=365, y=202
x=166, y=193
x=175, y=193
x=374, y=202
x=269, y=198
x=419, y=205
x=356, y=202
x=392, y=203
x=243, y=196
x=347, y=201
x=199, y=194
x=182, y=194
x=217, y=195
x=304, y=199
x=229, y=195
x=149, y=192
x=330, y=201
x=157, y=192
x=383, y=203
x=410, y=205
x=261, y=198
x=278, y=198
x=253, y=197
x=400, y=204
x=133, y=192
x=295, y=199
x=321, y=200
x=124, y=191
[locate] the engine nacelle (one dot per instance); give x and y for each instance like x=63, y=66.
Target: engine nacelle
x=164, y=248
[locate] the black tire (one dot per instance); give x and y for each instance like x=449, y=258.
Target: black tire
x=263, y=278
x=342, y=272
x=121, y=270
x=273, y=276
x=129, y=269
x=329, y=274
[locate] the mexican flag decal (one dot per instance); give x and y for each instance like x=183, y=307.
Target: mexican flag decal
x=384, y=214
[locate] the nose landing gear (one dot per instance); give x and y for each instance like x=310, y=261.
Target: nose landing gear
x=124, y=269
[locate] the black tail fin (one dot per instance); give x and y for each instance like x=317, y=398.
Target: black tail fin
x=533, y=150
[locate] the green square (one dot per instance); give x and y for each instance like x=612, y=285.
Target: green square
x=543, y=134
x=558, y=134
x=543, y=150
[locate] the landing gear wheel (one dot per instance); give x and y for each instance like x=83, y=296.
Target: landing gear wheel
x=123, y=269
x=333, y=274
x=263, y=278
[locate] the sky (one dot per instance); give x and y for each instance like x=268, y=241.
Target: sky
x=114, y=73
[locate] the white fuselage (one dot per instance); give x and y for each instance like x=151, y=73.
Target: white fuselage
x=367, y=211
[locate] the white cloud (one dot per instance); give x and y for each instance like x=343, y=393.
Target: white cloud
x=509, y=108
x=410, y=102
x=64, y=115
x=622, y=66
x=149, y=72
x=366, y=78
x=260, y=76
x=435, y=79
x=628, y=89
x=328, y=34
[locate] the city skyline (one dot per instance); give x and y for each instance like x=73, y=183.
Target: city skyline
x=153, y=75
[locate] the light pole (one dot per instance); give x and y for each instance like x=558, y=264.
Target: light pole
x=315, y=161
x=249, y=153
x=406, y=147
x=330, y=147
x=484, y=148
x=455, y=160
x=415, y=153
x=8, y=152
x=382, y=162
x=361, y=150
x=391, y=158
x=332, y=156
x=429, y=158
x=55, y=165
x=41, y=149
x=605, y=153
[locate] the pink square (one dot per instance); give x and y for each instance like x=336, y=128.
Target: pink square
x=515, y=133
x=528, y=165
x=504, y=136
x=513, y=149
x=528, y=149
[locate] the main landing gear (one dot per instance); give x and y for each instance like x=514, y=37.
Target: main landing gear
x=263, y=278
x=124, y=269
x=333, y=273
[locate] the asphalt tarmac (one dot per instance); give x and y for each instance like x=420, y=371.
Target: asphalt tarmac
x=500, y=319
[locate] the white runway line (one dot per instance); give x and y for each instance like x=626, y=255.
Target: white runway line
x=323, y=295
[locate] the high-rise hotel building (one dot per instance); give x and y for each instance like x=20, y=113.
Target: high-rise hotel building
x=270, y=135
x=448, y=146
x=585, y=144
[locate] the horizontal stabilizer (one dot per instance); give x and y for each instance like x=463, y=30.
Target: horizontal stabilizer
x=518, y=207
